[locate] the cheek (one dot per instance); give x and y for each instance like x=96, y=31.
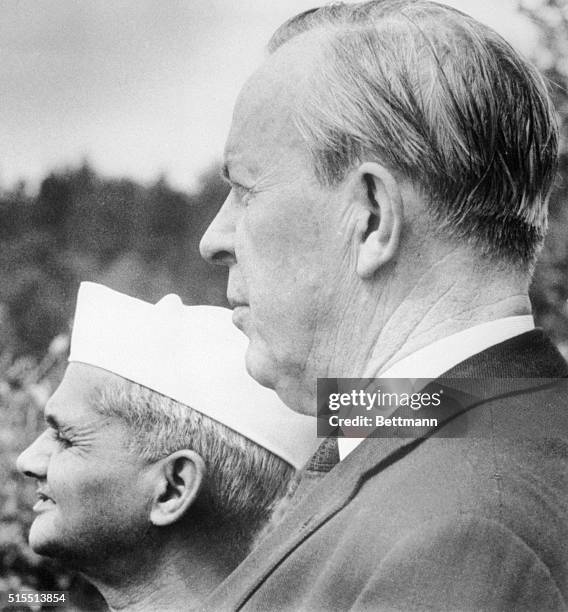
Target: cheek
x=281, y=252
x=81, y=487
x=281, y=232
x=281, y=266
x=100, y=507
x=62, y=475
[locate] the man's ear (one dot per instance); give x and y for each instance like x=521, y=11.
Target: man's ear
x=180, y=477
x=381, y=214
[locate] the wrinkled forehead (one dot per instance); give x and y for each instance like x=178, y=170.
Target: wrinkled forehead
x=80, y=388
x=263, y=119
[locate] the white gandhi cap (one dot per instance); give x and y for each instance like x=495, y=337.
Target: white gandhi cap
x=192, y=354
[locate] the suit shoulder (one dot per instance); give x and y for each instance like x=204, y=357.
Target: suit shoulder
x=494, y=568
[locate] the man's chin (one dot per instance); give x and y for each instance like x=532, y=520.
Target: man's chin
x=289, y=392
x=43, y=546
x=260, y=368
x=265, y=371
x=55, y=549
x=43, y=539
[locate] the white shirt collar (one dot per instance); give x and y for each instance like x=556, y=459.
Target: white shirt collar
x=433, y=360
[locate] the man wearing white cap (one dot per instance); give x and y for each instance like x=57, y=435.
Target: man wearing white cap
x=162, y=458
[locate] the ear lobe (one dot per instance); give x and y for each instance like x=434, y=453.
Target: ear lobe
x=381, y=228
x=180, y=479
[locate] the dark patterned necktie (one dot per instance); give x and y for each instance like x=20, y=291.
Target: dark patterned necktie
x=325, y=458
x=322, y=461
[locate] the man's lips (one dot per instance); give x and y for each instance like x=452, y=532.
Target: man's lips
x=44, y=501
x=239, y=311
x=235, y=302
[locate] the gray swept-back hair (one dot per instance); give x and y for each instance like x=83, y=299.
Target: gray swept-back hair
x=243, y=480
x=443, y=100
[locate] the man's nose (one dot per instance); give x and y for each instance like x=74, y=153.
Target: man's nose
x=34, y=460
x=217, y=244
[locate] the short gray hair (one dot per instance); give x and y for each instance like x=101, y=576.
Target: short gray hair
x=442, y=99
x=243, y=480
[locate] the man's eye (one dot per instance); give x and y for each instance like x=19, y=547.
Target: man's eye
x=61, y=439
x=242, y=193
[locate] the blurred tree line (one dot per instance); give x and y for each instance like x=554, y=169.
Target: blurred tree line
x=550, y=285
x=80, y=226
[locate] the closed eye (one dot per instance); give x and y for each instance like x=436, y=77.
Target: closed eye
x=60, y=438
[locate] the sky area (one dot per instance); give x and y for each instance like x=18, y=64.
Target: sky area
x=142, y=88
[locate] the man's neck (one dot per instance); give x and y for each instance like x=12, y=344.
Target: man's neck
x=429, y=330
x=167, y=580
x=422, y=297
x=413, y=308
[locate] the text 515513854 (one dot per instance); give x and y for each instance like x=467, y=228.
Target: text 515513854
x=34, y=599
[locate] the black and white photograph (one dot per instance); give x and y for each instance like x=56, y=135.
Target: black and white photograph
x=284, y=306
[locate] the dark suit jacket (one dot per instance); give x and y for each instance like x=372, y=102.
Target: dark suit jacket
x=472, y=523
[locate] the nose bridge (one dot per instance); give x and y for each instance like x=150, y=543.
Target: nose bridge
x=33, y=461
x=217, y=243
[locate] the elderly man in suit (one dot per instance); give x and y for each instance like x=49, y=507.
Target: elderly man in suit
x=390, y=163
x=162, y=458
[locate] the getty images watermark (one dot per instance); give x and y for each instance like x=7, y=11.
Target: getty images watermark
x=415, y=407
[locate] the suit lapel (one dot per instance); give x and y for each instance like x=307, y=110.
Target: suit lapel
x=530, y=355
x=327, y=498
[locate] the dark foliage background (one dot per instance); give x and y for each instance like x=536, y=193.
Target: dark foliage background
x=143, y=240
x=80, y=226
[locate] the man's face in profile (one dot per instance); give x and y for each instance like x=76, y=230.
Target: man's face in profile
x=90, y=486
x=278, y=230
